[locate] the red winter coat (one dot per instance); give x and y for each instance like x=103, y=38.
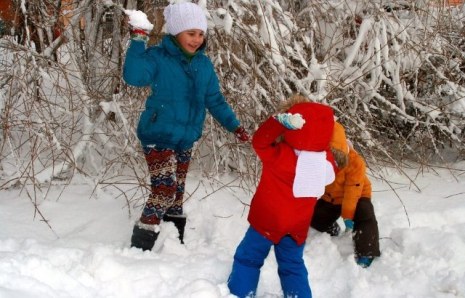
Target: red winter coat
x=274, y=211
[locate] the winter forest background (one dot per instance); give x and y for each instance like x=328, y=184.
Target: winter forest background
x=394, y=72
x=73, y=178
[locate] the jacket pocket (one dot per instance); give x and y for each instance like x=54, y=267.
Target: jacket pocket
x=156, y=127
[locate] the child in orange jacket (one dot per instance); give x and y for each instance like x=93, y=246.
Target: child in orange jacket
x=349, y=197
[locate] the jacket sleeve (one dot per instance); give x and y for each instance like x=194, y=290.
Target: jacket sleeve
x=139, y=67
x=265, y=137
x=217, y=105
x=354, y=183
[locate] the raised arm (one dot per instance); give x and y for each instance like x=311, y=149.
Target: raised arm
x=139, y=66
x=265, y=137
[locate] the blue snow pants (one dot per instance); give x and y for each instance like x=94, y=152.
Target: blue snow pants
x=250, y=256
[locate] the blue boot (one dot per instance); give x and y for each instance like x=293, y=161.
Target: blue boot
x=364, y=262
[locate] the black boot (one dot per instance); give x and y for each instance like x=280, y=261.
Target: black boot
x=179, y=222
x=143, y=238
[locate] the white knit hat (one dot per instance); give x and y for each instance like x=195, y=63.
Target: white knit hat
x=184, y=16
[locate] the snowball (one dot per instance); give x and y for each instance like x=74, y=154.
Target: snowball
x=138, y=19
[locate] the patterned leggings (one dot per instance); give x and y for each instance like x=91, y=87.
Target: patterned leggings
x=168, y=169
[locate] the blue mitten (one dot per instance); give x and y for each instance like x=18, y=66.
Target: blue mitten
x=349, y=225
x=290, y=121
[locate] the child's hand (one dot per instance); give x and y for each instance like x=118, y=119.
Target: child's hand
x=349, y=225
x=241, y=134
x=290, y=121
x=138, y=21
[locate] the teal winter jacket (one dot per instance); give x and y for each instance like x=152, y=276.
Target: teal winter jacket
x=182, y=90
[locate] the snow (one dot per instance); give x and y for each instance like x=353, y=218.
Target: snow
x=86, y=251
x=138, y=19
x=82, y=249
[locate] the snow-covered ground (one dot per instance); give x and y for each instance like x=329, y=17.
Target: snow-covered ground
x=86, y=251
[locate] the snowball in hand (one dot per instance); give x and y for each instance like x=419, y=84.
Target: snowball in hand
x=297, y=121
x=138, y=19
x=291, y=121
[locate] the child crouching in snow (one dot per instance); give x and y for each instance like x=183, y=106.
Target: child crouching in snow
x=349, y=196
x=295, y=172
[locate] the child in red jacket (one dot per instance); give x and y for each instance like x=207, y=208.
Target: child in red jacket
x=295, y=172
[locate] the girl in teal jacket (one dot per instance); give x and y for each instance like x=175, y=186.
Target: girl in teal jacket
x=184, y=86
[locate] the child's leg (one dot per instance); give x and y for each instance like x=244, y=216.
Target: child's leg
x=174, y=213
x=183, y=159
x=248, y=259
x=324, y=217
x=366, y=235
x=162, y=168
x=291, y=268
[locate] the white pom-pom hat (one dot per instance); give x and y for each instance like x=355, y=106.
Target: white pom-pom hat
x=184, y=16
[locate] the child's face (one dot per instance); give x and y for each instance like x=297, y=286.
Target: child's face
x=191, y=40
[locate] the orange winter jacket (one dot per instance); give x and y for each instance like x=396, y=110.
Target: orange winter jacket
x=350, y=185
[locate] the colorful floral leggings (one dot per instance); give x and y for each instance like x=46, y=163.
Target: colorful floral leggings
x=168, y=169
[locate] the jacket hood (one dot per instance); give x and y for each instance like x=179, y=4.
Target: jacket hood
x=339, y=140
x=317, y=131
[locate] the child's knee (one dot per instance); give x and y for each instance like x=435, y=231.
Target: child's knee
x=365, y=210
